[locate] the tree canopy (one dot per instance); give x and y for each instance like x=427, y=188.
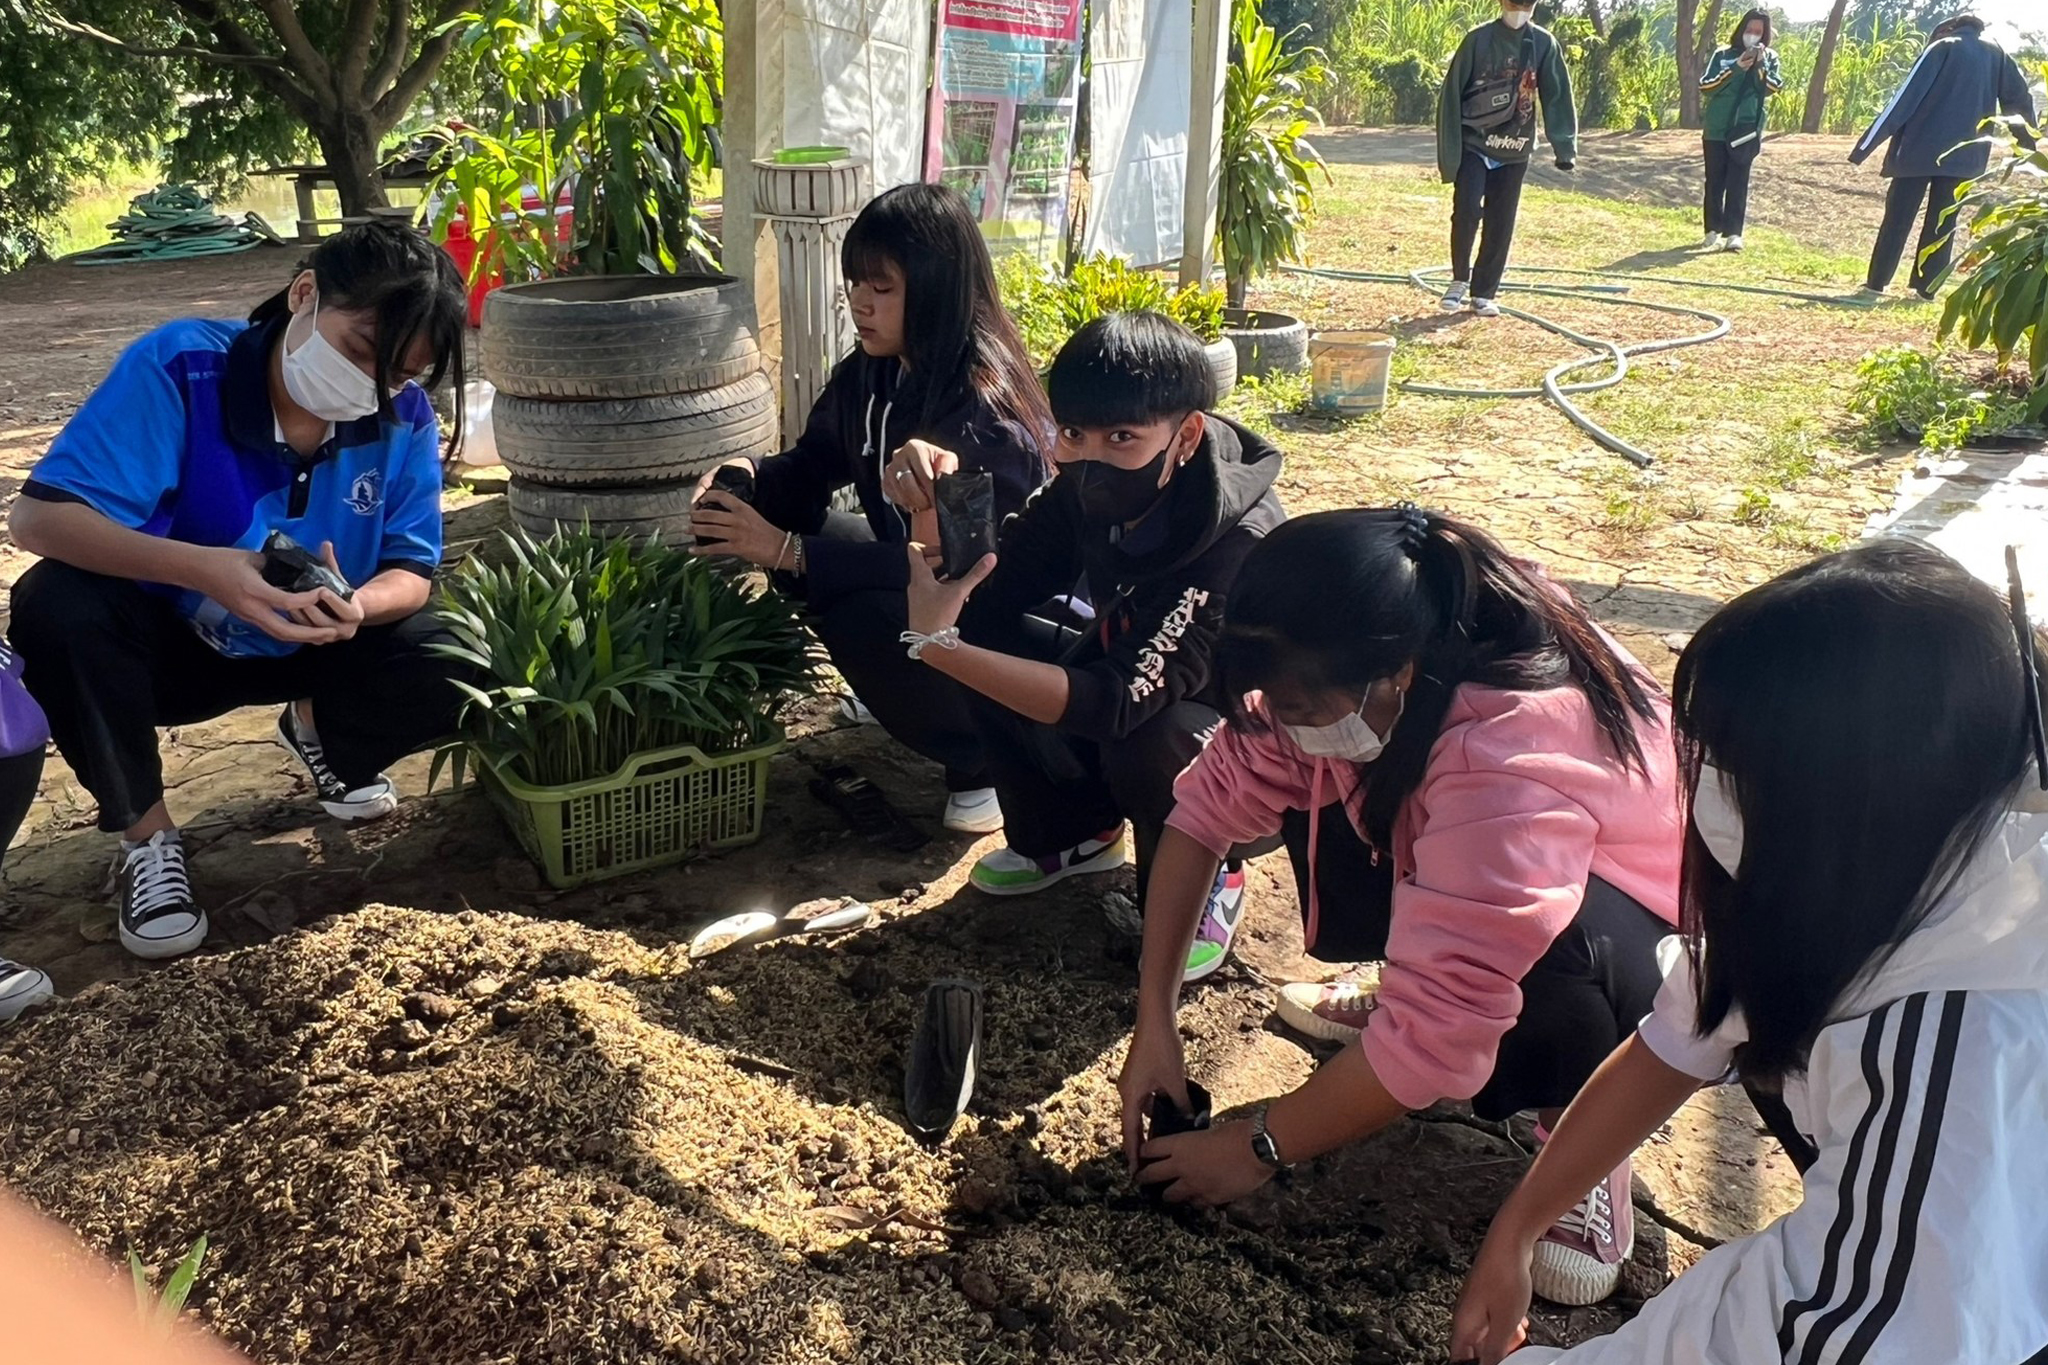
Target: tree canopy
x=221, y=85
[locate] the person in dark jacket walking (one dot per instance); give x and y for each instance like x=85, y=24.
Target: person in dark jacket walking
x=1736, y=85
x=1485, y=136
x=1089, y=709
x=1961, y=79
x=939, y=365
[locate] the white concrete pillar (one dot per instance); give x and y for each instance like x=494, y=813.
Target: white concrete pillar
x=753, y=129
x=1205, y=140
x=809, y=208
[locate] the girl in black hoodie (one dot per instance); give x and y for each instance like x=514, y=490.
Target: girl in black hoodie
x=941, y=364
x=1089, y=640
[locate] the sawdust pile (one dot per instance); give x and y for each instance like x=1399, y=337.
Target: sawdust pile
x=483, y=1138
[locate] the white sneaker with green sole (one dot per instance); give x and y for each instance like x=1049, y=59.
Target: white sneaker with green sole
x=1007, y=872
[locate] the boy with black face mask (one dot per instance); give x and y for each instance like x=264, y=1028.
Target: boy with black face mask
x=1087, y=644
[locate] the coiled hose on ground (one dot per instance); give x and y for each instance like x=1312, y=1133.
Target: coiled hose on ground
x=175, y=223
x=1554, y=385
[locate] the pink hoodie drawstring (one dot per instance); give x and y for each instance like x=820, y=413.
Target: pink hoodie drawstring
x=1315, y=829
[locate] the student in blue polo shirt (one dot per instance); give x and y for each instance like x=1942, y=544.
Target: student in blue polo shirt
x=149, y=607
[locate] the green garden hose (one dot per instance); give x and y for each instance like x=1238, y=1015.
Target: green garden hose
x=171, y=223
x=1605, y=352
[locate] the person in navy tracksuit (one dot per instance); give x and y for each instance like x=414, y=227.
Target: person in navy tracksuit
x=1961, y=79
x=150, y=608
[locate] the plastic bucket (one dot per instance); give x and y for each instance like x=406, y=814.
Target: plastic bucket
x=1348, y=371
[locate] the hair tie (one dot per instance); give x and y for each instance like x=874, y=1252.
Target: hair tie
x=1414, y=525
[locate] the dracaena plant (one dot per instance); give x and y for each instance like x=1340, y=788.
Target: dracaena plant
x=585, y=650
x=1268, y=170
x=2002, y=300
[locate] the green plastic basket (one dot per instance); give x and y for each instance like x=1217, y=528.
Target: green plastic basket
x=656, y=810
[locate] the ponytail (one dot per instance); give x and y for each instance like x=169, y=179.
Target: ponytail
x=1417, y=587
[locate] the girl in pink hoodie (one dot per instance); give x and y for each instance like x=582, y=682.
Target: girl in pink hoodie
x=1477, y=789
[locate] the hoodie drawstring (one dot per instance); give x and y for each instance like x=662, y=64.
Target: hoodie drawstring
x=1315, y=829
x=877, y=438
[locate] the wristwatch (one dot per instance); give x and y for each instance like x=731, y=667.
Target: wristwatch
x=1263, y=1146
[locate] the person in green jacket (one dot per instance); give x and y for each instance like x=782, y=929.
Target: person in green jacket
x=1485, y=135
x=1739, y=79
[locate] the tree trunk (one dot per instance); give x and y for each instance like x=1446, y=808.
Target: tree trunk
x=1688, y=66
x=1823, y=61
x=1594, y=13
x=349, y=145
x=1707, y=38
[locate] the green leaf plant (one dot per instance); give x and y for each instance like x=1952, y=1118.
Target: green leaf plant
x=584, y=651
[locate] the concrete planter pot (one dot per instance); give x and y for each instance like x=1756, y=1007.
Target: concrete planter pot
x=1266, y=343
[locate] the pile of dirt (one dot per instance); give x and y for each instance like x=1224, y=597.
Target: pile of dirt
x=469, y=1138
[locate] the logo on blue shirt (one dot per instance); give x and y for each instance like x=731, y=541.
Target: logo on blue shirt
x=366, y=494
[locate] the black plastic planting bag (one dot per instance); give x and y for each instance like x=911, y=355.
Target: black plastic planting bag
x=945, y=1053
x=736, y=482
x=967, y=520
x=291, y=566
x=1167, y=1120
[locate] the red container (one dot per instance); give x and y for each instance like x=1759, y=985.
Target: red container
x=462, y=247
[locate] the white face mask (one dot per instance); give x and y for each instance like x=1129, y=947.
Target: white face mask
x=1350, y=739
x=1515, y=18
x=1752, y=39
x=322, y=380
x=1718, y=819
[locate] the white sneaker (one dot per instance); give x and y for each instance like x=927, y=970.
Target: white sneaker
x=337, y=798
x=1007, y=872
x=1454, y=297
x=21, y=988
x=975, y=812
x=157, y=916
x=1711, y=242
x=1486, y=308
x=1735, y=242
x=1578, y=1260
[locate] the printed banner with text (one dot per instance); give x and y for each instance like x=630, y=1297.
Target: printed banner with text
x=1001, y=129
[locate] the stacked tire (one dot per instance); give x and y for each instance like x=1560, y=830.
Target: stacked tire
x=615, y=393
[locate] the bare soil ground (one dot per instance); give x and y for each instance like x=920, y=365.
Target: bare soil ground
x=428, y=1111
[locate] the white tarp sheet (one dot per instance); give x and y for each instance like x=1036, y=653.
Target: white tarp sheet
x=1974, y=503
x=1138, y=99
x=854, y=76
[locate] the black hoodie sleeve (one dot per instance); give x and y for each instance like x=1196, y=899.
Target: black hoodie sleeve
x=1037, y=558
x=982, y=441
x=793, y=490
x=1167, y=652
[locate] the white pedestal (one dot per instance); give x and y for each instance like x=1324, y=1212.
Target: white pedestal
x=808, y=209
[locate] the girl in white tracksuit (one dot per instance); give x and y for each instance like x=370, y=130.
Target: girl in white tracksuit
x=1865, y=895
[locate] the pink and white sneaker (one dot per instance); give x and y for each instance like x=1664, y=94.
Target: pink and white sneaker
x=1333, y=1010
x=1579, y=1260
